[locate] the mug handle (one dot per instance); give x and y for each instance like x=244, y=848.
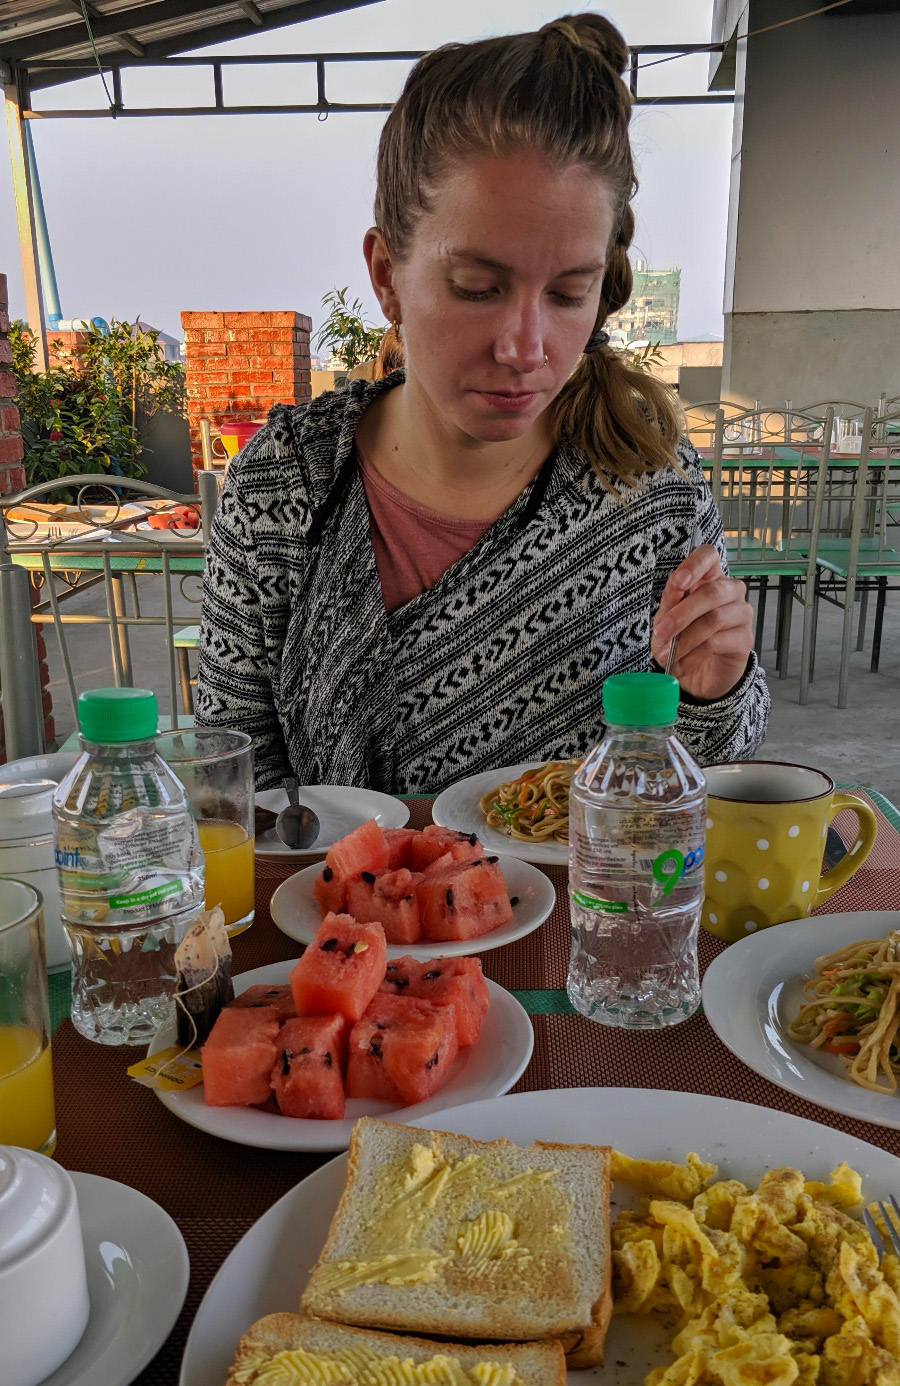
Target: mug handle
x=856, y=854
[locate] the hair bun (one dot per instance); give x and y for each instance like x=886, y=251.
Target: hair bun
x=595, y=35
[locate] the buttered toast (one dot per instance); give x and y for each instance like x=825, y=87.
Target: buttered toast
x=440, y=1234
x=289, y=1348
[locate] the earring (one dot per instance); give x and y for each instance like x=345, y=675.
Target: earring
x=396, y=326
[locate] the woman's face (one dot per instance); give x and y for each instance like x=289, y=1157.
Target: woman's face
x=500, y=290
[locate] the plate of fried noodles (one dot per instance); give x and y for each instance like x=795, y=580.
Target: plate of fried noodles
x=517, y=810
x=814, y=1005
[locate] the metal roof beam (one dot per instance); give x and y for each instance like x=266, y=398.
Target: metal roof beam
x=58, y=39
x=253, y=13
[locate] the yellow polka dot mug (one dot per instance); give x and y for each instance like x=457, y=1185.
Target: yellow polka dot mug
x=765, y=837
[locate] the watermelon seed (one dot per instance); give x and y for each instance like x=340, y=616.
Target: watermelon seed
x=432, y=1061
x=473, y=839
x=449, y=898
x=305, y=1050
x=401, y=982
x=360, y=947
x=514, y=899
x=327, y=874
x=493, y=859
x=329, y=945
x=369, y=877
x=379, y=1026
x=328, y=1061
x=375, y=1050
x=407, y=897
x=286, y=1061
x=430, y=976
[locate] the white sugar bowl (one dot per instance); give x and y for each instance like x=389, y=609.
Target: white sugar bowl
x=44, y=1303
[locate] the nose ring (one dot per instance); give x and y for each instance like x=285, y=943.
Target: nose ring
x=546, y=359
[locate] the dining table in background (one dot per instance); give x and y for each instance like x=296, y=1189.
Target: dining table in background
x=215, y=1190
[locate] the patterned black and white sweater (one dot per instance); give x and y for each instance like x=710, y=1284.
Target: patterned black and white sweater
x=501, y=661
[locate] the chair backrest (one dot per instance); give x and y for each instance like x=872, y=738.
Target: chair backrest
x=700, y=421
x=768, y=477
x=215, y=455
x=876, y=531
x=103, y=534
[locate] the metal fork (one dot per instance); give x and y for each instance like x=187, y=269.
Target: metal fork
x=891, y=1219
x=696, y=541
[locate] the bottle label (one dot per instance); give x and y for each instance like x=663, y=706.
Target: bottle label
x=591, y=902
x=145, y=897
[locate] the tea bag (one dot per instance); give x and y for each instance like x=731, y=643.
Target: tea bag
x=203, y=986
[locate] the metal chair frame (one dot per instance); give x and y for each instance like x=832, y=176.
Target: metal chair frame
x=20, y=613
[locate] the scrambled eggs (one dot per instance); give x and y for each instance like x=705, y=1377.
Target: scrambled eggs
x=768, y=1287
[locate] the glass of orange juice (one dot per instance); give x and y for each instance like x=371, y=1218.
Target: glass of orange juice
x=27, y=1114
x=216, y=769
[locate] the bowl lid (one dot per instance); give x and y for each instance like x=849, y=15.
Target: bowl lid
x=36, y=1195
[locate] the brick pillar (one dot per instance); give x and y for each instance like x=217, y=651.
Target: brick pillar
x=12, y=478
x=240, y=364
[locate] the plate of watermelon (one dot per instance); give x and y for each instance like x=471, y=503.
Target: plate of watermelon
x=432, y=890
x=339, y=808
x=491, y=1041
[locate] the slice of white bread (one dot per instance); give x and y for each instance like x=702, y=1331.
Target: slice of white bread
x=256, y=1360
x=440, y=1234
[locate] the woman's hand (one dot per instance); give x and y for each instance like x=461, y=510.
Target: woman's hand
x=710, y=615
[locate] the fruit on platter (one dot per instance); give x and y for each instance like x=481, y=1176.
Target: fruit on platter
x=366, y=1028
x=434, y=884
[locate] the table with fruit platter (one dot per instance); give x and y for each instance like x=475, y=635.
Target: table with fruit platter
x=216, y=1189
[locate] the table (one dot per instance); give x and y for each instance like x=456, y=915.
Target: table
x=215, y=1191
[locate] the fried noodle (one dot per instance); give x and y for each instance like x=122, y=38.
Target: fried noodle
x=534, y=807
x=853, y=1010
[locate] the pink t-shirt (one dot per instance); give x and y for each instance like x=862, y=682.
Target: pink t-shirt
x=414, y=546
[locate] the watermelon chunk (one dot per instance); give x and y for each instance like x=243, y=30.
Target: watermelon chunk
x=390, y=898
x=341, y=969
x=463, y=901
x=433, y=842
x=400, y=841
x=279, y=997
x=455, y=982
x=307, y=1074
x=401, y=1051
x=238, y=1057
x=330, y=891
x=365, y=849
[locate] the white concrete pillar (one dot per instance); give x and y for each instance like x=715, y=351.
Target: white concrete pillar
x=812, y=281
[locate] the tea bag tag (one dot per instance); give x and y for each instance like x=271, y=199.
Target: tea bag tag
x=171, y=1070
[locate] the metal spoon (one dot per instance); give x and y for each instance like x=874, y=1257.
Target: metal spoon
x=297, y=825
x=696, y=541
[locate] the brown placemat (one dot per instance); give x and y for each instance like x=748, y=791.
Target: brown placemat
x=216, y=1190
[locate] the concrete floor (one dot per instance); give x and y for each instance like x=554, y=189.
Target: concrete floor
x=859, y=744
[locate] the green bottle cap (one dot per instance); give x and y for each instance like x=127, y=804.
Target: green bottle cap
x=640, y=700
x=116, y=715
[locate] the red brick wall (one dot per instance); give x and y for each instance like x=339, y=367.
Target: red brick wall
x=12, y=478
x=240, y=364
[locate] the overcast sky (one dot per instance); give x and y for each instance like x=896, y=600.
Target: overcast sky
x=153, y=216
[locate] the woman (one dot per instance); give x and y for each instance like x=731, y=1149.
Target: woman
x=430, y=575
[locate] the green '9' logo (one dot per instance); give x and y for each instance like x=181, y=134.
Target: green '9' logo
x=667, y=869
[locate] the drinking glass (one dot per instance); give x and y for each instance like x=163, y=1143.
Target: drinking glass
x=27, y=1114
x=216, y=769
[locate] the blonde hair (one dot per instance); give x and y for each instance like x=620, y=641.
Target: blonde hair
x=390, y=355
x=559, y=92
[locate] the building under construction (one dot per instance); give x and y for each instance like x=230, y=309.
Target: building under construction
x=651, y=314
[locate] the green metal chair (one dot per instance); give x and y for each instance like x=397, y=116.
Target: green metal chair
x=869, y=558
x=769, y=479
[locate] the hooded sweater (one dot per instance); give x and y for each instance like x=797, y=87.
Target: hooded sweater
x=500, y=662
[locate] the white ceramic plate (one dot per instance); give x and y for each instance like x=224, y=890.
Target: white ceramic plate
x=485, y=1069
x=137, y=1273
x=295, y=910
x=339, y=808
x=267, y=1271
x=459, y=807
x=752, y=992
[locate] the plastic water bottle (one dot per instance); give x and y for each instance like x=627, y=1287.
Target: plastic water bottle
x=637, y=834
x=131, y=870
